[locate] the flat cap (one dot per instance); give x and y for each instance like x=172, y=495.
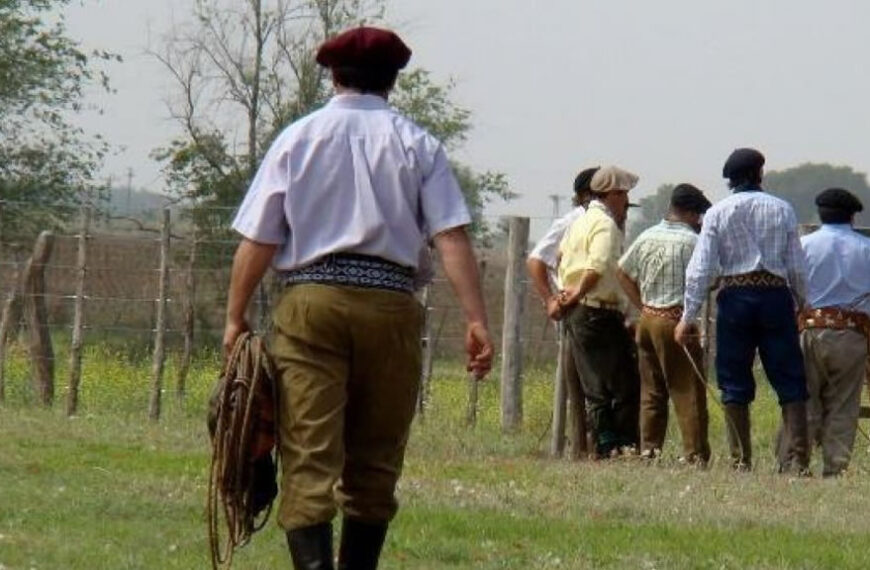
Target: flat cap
x=609, y=178
x=689, y=199
x=839, y=199
x=365, y=47
x=742, y=160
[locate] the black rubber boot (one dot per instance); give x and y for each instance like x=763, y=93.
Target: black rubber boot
x=361, y=544
x=795, y=455
x=311, y=547
x=739, y=435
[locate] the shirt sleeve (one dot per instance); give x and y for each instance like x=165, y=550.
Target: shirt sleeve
x=603, y=249
x=547, y=248
x=442, y=202
x=628, y=262
x=699, y=273
x=261, y=216
x=795, y=260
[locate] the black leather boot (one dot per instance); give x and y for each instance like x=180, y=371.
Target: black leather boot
x=361, y=544
x=737, y=427
x=795, y=449
x=311, y=547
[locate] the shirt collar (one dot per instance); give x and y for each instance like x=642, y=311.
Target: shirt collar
x=838, y=227
x=672, y=225
x=362, y=101
x=749, y=187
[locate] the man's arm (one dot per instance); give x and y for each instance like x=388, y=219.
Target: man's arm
x=632, y=291
x=539, y=273
x=460, y=266
x=250, y=263
x=796, y=266
x=572, y=295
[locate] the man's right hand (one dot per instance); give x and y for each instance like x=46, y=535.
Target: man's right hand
x=480, y=351
x=554, y=308
x=232, y=330
x=685, y=332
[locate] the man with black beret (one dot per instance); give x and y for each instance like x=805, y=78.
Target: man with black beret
x=543, y=265
x=653, y=275
x=835, y=326
x=341, y=207
x=750, y=241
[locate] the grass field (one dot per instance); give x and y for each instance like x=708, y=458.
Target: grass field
x=108, y=489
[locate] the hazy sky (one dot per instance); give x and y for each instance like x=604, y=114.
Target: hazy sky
x=666, y=89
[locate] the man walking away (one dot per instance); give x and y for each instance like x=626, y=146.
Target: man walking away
x=341, y=206
x=751, y=239
x=653, y=274
x=836, y=326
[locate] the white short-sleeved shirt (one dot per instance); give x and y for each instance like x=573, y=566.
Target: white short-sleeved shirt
x=355, y=176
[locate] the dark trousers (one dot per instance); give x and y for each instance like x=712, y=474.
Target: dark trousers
x=604, y=356
x=762, y=319
x=576, y=397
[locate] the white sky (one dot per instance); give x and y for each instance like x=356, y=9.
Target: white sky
x=666, y=89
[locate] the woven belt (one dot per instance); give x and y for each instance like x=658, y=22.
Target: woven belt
x=753, y=279
x=834, y=318
x=596, y=304
x=674, y=313
x=354, y=270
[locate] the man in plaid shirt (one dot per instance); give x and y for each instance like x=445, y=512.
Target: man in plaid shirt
x=750, y=241
x=653, y=274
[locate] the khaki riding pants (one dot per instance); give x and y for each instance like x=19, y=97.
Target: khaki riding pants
x=834, y=362
x=665, y=371
x=348, y=362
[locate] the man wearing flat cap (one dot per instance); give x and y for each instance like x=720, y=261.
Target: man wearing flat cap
x=543, y=265
x=653, y=274
x=835, y=326
x=750, y=241
x=592, y=302
x=342, y=205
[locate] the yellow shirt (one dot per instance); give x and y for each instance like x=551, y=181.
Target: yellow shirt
x=593, y=241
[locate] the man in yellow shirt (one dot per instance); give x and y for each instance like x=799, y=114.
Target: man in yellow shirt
x=603, y=348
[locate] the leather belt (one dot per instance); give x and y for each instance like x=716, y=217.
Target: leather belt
x=674, y=313
x=834, y=318
x=596, y=304
x=753, y=279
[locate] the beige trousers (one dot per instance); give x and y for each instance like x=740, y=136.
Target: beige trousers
x=835, y=366
x=348, y=362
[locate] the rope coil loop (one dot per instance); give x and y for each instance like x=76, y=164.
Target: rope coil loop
x=242, y=423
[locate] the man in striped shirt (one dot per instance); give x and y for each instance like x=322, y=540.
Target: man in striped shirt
x=653, y=274
x=750, y=241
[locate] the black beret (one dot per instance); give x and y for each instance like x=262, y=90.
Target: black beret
x=584, y=179
x=365, y=47
x=688, y=198
x=839, y=199
x=742, y=160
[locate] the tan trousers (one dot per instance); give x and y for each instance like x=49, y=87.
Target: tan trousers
x=348, y=362
x=665, y=371
x=835, y=366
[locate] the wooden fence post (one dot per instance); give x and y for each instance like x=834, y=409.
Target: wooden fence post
x=189, y=319
x=160, y=327
x=514, y=297
x=41, y=351
x=428, y=346
x=75, y=353
x=3, y=325
x=560, y=401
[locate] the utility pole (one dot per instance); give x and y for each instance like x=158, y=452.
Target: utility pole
x=129, y=189
x=557, y=201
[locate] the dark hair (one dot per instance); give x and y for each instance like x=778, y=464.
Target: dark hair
x=366, y=79
x=743, y=177
x=834, y=215
x=581, y=184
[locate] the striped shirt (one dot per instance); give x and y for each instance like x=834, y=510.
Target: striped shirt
x=657, y=262
x=747, y=231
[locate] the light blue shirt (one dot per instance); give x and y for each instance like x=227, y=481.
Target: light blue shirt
x=838, y=259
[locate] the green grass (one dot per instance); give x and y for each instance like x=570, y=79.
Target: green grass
x=109, y=489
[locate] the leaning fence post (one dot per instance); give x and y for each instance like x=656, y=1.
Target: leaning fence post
x=41, y=350
x=160, y=328
x=189, y=321
x=560, y=403
x=426, y=372
x=75, y=353
x=514, y=296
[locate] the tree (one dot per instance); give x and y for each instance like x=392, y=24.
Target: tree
x=653, y=209
x=244, y=70
x=800, y=185
x=46, y=163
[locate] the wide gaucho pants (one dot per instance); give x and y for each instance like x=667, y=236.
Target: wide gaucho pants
x=348, y=361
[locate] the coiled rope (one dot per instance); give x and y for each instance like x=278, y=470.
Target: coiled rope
x=242, y=424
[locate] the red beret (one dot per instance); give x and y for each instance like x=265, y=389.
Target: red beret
x=364, y=47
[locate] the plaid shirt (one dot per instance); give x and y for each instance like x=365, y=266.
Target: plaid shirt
x=657, y=262
x=748, y=231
